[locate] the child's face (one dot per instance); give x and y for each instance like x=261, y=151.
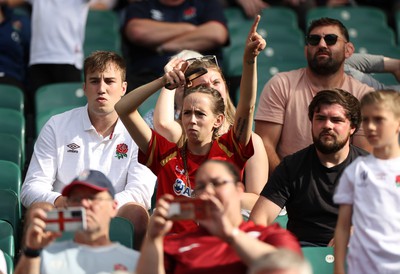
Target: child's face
x=380, y=125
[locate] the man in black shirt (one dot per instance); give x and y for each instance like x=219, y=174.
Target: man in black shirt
x=305, y=181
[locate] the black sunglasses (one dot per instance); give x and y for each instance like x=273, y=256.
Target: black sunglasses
x=314, y=39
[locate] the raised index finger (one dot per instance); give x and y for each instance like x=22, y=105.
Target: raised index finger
x=255, y=25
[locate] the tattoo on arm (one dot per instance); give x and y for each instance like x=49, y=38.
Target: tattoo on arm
x=241, y=126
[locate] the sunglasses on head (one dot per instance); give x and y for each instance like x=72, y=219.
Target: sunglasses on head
x=205, y=58
x=314, y=39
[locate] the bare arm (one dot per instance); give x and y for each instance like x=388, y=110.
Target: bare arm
x=151, y=33
x=248, y=85
x=127, y=107
x=164, y=116
x=342, y=235
x=270, y=134
x=164, y=111
x=35, y=238
x=205, y=37
x=256, y=172
x=152, y=252
x=264, y=211
x=393, y=66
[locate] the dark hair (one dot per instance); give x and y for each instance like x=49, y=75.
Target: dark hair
x=326, y=21
x=230, y=108
x=230, y=167
x=389, y=98
x=343, y=98
x=99, y=61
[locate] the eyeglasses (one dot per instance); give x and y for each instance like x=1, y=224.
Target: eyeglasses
x=314, y=39
x=91, y=200
x=214, y=183
x=205, y=58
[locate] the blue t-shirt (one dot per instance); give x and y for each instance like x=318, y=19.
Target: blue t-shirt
x=197, y=12
x=14, y=45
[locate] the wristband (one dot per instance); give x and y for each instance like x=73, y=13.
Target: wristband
x=31, y=253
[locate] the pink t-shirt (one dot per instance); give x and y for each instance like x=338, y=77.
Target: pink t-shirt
x=285, y=99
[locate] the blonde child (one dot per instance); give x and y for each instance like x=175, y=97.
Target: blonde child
x=369, y=194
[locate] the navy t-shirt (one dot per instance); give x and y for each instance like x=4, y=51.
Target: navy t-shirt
x=145, y=60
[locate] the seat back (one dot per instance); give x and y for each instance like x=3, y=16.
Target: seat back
x=52, y=96
x=13, y=122
x=10, y=263
x=320, y=258
x=122, y=231
x=10, y=149
x=9, y=211
x=7, y=244
x=10, y=179
x=11, y=97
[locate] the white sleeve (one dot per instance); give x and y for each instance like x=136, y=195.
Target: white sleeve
x=140, y=183
x=41, y=174
x=3, y=264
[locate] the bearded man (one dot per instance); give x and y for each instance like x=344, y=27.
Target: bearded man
x=280, y=119
x=305, y=181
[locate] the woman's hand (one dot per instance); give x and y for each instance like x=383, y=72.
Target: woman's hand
x=255, y=43
x=175, y=73
x=159, y=224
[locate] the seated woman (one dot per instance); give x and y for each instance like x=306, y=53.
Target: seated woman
x=256, y=170
x=203, y=113
x=223, y=243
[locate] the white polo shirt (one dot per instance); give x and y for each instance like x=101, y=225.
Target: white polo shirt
x=68, y=144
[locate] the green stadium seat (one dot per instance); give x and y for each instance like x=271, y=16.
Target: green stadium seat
x=11, y=149
x=52, y=96
x=350, y=15
x=101, y=39
x=7, y=243
x=149, y=104
x=122, y=231
x=11, y=179
x=11, y=97
x=10, y=263
x=9, y=211
x=278, y=16
x=382, y=36
x=13, y=122
x=103, y=19
x=320, y=258
x=282, y=220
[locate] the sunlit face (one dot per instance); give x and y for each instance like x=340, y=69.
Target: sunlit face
x=331, y=129
x=324, y=59
x=100, y=207
x=103, y=90
x=198, y=119
x=380, y=125
x=212, y=79
x=213, y=179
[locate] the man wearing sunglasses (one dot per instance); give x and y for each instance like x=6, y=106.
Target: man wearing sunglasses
x=281, y=118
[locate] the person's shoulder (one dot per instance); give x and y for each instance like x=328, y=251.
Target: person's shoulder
x=298, y=158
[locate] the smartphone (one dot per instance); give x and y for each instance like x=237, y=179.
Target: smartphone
x=69, y=219
x=196, y=73
x=188, y=209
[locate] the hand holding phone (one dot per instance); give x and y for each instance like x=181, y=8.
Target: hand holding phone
x=66, y=219
x=188, y=209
